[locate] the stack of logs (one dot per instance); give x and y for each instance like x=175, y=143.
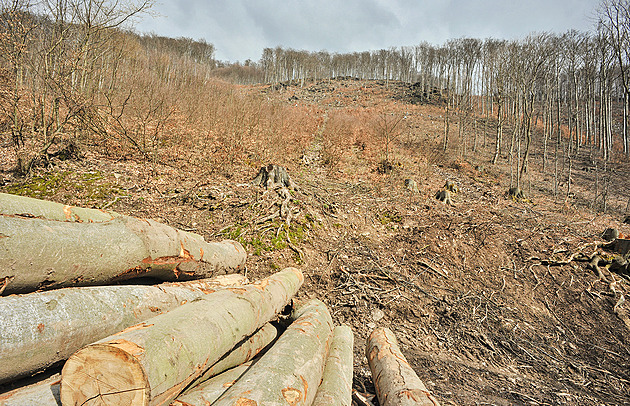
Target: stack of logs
x=216, y=339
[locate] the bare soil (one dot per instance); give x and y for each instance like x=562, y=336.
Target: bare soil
x=475, y=292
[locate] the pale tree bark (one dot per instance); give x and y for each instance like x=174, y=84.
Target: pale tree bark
x=152, y=362
x=43, y=393
x=292, y=368
x=209, y=391
x=40, y=329
x=29, y=207
x=336, y=386
x=243, y=352
x=395, y=381
x=37, y=254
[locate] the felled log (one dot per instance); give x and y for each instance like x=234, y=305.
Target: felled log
x=152, y=362
x=28, y=207
x=42, y=254
x=209, y=391
x=42, y=393
x=336, y=386
x=396, y=383
x=290, y=371
x=40, y=329
x=243, y=352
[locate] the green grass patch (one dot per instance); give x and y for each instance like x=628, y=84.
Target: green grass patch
x=91, y=188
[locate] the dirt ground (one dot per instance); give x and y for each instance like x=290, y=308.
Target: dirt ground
x=479, y=293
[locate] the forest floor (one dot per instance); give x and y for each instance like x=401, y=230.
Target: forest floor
x=479, y=294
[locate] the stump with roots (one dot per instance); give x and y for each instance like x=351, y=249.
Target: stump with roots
x=451, y=186
x=276, y=177
x=411, y=185
x=272, y=176
x=517, y=194
x=445, y=197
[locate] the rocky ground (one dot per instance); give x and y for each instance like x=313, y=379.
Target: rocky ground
x=481, y=294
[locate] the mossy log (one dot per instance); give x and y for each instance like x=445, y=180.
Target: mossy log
x=243, y=352
x=336, y=386
x=29, y=207
x=42, y=393
x=396, y=383
x=209, y=391
x=291, y=370
x=38, y=254
x=40, y=329
x=152, y=362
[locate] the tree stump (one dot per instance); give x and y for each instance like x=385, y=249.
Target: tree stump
x=445, y=197
x=516, y=194
x=610, y=234
x=411, y=185
x=451, y=186
x=272, y=176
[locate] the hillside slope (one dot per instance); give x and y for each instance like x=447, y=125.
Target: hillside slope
x=479, y=293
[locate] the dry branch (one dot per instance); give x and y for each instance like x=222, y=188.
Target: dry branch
x=292, y=368
x=336, y=386
x=396, y=383
x=41, y=254
x=151, y=363
x=39, y=329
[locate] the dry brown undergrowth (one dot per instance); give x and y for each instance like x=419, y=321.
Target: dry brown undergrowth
x=479, y=320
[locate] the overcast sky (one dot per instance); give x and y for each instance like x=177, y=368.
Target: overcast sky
x=240, y=29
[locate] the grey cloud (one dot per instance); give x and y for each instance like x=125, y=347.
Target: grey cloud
x=240, y=29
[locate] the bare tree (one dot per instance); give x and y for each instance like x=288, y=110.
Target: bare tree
x=614, y=23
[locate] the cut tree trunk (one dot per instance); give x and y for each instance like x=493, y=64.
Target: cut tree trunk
x=151, y=363
x=40, y=329
x=291, y=370
x=209, y=391
x=336, y=386
x=38, y=254
x=396, y=383
x=14, y=205
x=42, y=393
x=243, y=352
x=272, y=176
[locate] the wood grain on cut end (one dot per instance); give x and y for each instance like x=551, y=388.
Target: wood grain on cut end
x=103, y=375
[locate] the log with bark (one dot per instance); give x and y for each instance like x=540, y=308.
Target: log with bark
x=209, y=391
x=40, y=329
x=28, y=207
x=37, y=254
x=336, y=386
x=395, y=381
x=42, y=393
x=243, y=352
x=291, y=370
x=152, y=362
